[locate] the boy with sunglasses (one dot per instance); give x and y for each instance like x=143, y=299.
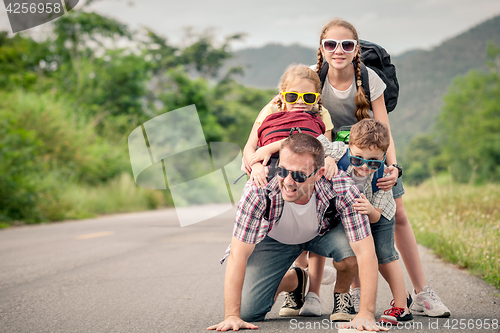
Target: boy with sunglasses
x=263, y=248
x=368, y=143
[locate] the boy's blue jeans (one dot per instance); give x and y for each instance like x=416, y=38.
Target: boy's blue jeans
x=271, y=259
x=383, y=238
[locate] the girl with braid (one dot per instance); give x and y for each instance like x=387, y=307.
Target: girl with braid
x=345, y=99
x=297, y=86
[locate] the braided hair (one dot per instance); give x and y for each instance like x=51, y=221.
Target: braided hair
x=292, y=73
x=362, y=104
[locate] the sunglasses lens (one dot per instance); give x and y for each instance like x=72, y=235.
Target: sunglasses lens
x=309, y=98
x=291, y=97
x=299, y=177
x=374, y=165
x=348, y=46
x=329, y=45
x=356, y=161
x=282, y=172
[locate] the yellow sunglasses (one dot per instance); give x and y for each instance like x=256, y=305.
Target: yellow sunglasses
x=293, y=97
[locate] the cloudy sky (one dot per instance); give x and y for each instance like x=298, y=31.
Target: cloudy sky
x=398, y=25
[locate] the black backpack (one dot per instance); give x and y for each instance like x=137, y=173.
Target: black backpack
x=377, y=58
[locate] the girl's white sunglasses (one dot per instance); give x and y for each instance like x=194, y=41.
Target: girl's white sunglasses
x=330, y=45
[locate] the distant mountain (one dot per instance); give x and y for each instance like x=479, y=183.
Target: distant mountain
x=264, y=66
x=424, y=76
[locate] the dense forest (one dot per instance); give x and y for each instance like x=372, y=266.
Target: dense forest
x=69, y=102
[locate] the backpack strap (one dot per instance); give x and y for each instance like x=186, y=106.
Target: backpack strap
x=332, y=213
x=268, y=206
x=365, y=83
x=292, y=130
x=323, y=73
x=378, y=174
x=343, y=163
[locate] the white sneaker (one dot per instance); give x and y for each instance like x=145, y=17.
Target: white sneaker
x=356, y=297
x=329, y=275
x=312, y=306
x=429, y=304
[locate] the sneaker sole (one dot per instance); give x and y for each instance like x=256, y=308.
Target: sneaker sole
x=394, y=322
x=309, y=313
x=341, y=317
x=430, y=314
x=287, y=312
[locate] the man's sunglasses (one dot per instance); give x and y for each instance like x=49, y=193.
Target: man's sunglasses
x=307, y=97
x=330, y=45
x=298, y=176
x=372, y=164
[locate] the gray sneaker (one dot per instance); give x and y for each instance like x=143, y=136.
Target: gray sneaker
x=295, y=300
x=428, y=303
x=343, y=309
x=312, y=306
x=356, y=298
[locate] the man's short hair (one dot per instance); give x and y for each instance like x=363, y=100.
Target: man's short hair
x=370, y=133
x=302, y=143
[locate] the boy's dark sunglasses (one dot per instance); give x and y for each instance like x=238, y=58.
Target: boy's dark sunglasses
x=293, y=97
x=372, y=164
x=298, y=176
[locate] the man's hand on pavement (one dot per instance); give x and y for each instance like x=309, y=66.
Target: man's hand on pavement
x=232, y=323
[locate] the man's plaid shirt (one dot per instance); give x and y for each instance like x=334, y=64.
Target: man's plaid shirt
x=251, y=226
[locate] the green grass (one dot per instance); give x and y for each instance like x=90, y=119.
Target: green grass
x=80, y=201
x=460, y=223
x=119, y=195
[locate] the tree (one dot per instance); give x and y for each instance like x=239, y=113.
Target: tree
x=419, y=158
x=205, y=56
x=469, y=124
x=20, y=60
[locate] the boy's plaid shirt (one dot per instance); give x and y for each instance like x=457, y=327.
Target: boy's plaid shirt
x=381, y=199
x=251, y=226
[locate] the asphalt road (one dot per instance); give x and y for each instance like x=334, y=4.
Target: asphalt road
x=142, y=272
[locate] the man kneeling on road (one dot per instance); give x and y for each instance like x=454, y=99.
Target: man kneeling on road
x=298, y=197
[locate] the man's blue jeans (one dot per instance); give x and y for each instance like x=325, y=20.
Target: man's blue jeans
x=271, y=259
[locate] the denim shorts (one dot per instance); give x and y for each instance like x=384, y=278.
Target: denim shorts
x=397, y=189
x=269, y=262
x=383, y=237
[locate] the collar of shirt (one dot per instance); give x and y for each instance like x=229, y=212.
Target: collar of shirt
x=323, y=190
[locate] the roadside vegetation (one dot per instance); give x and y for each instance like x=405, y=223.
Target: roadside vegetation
x=459, y=222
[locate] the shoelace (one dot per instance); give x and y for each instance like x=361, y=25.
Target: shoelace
x=290, y=301
x=433, y=295
x=395, y=312
x=344, y=302
x=356, y=302
x=355, y=296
